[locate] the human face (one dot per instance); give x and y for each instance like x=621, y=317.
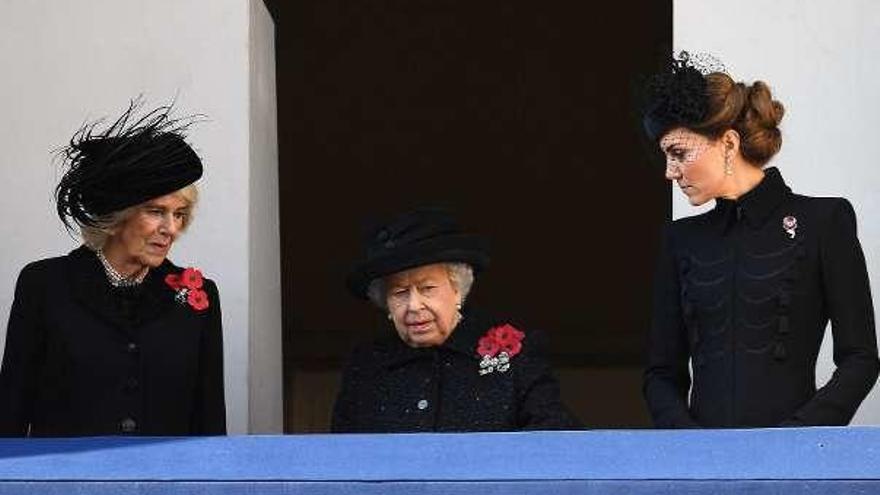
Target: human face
x=144, y=238
x=695, y=163
x=423, y=302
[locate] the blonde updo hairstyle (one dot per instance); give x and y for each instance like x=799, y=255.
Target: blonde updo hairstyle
x=750, y=110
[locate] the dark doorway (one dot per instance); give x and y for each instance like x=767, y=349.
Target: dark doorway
x=516, y=114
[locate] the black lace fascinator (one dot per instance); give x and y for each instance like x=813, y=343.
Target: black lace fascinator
x=676, y=96
x=132, y=160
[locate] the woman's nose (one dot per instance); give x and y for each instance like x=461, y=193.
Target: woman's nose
x=169, y=225
x=414, y=301
x=672, y=172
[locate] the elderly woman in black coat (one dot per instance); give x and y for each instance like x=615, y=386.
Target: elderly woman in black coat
x=113, y=338
x=744, y=291
x=445, y=367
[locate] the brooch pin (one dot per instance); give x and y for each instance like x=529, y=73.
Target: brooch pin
x=789, y=224
x=499, y=363
x=497, y=347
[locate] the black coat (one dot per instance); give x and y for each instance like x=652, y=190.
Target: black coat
x=391, y=387
x=85, y=358
x=748, y=302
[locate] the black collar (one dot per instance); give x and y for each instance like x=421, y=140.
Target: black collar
x=463, y=340
x=91, y=287
x=755, y=206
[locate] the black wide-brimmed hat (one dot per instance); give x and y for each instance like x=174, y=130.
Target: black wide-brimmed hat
x=412, y=239
x=132, y=161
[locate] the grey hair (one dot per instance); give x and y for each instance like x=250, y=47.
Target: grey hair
x=460, y=274
x=96, y=236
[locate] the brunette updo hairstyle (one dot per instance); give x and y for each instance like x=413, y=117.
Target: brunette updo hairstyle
x=749, y=110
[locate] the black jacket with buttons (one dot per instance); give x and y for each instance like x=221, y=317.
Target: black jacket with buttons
x=745, y=292
x=84, y=358
x=391, y=387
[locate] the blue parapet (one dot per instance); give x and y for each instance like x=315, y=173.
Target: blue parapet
x=779, y=461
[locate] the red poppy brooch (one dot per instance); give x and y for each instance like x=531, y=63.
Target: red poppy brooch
x=497, y=347
x=188, y=287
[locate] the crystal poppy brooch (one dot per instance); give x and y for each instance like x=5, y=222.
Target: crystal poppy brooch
x=497, y=347
x=789, y=225
x=187, y=286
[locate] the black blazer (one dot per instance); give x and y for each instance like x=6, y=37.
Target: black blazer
x=391, y=387
x=84, y=358
x=745, y=291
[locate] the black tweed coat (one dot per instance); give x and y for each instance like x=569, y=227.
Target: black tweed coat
x=391, y=387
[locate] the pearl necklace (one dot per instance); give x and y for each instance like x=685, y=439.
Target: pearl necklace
x=115, y=278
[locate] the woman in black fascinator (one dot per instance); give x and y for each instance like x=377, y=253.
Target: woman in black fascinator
x=744, y=292
x=113, y=338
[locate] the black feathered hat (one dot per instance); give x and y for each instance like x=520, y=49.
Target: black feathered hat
x=677, y=96
x=133, y=160
x=416, y=238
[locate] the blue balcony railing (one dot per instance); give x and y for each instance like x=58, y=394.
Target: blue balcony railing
x=779, y=461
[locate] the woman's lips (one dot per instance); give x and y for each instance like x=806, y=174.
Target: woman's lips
x=159, y=246
x=420, y=326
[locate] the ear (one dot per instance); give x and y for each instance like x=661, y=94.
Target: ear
x=730, y=140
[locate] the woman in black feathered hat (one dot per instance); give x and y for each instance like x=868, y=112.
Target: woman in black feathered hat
x=744, y=292
x=113, y=338
x=445, y=367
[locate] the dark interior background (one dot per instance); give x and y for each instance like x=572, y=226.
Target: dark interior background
x=516, y=114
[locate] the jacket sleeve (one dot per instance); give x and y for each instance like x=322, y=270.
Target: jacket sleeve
x=345, y=410
x=666, y=378
x=847, y=296
x=540, y=403
x=23, y=356
x=209, y=417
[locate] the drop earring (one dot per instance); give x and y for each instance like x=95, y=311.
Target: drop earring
x=728, y=165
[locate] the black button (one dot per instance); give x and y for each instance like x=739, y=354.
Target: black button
x=128, y=425
x=132, y=348
x=131, y=384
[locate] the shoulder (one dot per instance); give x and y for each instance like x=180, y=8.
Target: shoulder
x=686, y=224
x=44, y=269
x=690, y=227
x=826, y=212
x=376, y=350
x=368, y=359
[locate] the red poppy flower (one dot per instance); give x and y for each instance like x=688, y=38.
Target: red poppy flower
x=512, y=348
x=506, y=334
x=487, y=346
x=503, y=338
x=198, y=299
x=173, y=281
x=191, y=278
